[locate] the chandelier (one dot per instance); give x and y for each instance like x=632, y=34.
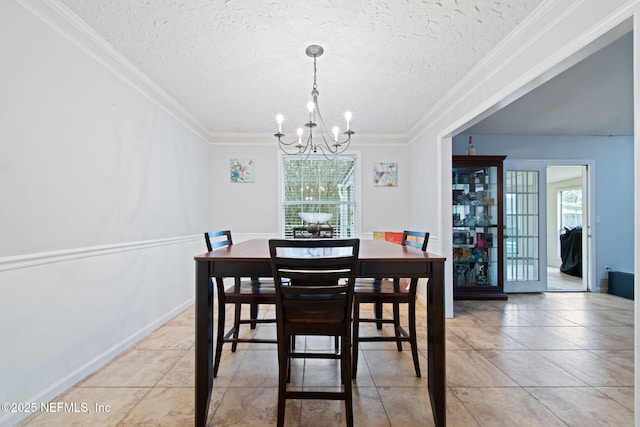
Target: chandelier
x=316, y=138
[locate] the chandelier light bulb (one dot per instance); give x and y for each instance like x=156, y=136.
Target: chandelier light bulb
x=335, y=132
x=348, y=116
x=279, y=119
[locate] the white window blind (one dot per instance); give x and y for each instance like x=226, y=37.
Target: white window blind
x=318, y=185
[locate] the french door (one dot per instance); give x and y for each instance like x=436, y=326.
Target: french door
x=525, y=226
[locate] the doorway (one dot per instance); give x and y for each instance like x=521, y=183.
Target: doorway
x=567, y=228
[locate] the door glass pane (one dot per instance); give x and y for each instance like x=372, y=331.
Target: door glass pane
x=522, y=223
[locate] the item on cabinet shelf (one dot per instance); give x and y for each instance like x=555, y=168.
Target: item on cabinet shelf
x=481, y=279
x=469, y=239
x=460, y=276
x=479, y=240
x=471, y=150
x=488, y=240
x=485, y=220
x=470, y=220
x=481, y=196
x=459, y=237
x=456, y=220
x=471, y=278
x=458, y=197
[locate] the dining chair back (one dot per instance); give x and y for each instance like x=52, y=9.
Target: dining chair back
x=380, y=291
x=252, y=291
x=314, y=282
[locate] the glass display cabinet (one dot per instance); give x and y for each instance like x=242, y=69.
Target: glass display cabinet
x=477, y=227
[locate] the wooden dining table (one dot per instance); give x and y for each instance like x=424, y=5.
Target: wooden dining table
x=377, y=259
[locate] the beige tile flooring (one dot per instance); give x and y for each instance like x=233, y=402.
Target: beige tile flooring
x=558, y=281
x=534, y=360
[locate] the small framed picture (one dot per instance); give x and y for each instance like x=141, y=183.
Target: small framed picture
x=241, y=170
x=385, y=174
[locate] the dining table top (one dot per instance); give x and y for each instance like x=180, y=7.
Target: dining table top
x=370, y=250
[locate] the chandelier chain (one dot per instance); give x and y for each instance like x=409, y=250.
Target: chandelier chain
x=315, y=74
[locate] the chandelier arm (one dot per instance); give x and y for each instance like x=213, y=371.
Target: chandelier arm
x=323, y=130
x=334, y=154
x=300, y=148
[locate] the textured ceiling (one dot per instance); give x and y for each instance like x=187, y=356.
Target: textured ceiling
x=235, y=64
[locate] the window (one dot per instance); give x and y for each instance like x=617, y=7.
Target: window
x=570, y=208
x=318, y=185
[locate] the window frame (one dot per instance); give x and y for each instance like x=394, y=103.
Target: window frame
x=357, y=181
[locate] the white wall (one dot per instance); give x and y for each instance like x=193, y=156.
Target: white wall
x=252, y=209
x=103, y=204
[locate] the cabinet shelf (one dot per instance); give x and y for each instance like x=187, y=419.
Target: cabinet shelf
x=477, y=248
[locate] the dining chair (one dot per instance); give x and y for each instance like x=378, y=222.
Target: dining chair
x=314, y=282
x=254, y=292
x=381, y=291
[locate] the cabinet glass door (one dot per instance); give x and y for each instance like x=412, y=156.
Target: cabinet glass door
x=475, y=227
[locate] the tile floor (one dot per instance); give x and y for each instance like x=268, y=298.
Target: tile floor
x=558, y=281
x=562, y=359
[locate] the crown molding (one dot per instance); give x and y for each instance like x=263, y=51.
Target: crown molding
x=240, y=138
x=61, y=19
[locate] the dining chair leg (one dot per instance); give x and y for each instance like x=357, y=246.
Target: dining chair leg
x=254, y=314
x=355, y=338
x=378, y=314
x=236, y=326
x=292, y=347
x=396, y=325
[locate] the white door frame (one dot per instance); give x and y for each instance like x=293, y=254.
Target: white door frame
x=588, y=219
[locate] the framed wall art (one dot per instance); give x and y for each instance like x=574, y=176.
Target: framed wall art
x=385, y=174
x=241, y=170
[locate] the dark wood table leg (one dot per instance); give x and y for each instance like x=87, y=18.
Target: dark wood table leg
x=204, y=342
x=436, y=341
